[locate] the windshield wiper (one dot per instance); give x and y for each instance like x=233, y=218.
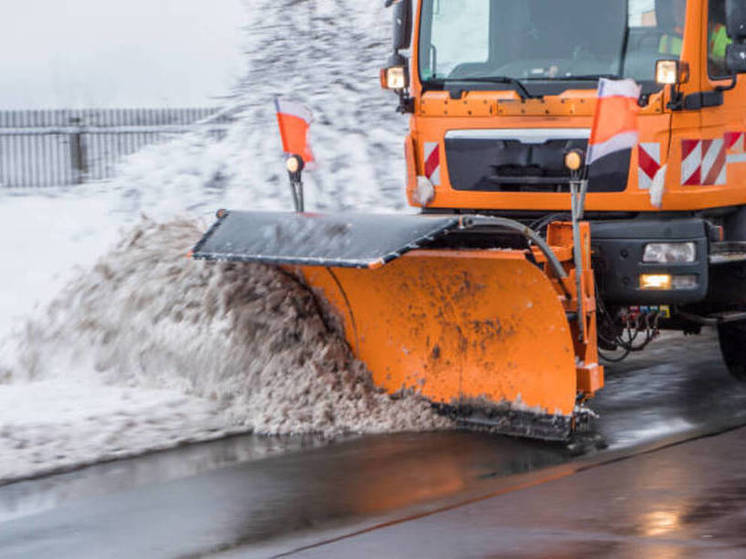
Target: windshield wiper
x=522, y=91
x=583, y=77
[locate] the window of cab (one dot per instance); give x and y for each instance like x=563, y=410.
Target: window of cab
x=717, y=40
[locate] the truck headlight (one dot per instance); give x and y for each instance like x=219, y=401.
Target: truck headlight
x=656, y=282
x=670, y=253
x=668, y=282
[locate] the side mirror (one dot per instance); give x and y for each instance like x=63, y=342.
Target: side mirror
x=402, y=23
x=735, y=53
x=735, y=58
x=395, y=76
x=735, y=15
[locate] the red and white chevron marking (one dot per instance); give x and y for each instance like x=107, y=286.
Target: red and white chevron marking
x=432, y=162
x=735, y=142
x=649, y=155
x=703, y=162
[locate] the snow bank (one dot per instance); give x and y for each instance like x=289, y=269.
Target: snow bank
x=55, y=424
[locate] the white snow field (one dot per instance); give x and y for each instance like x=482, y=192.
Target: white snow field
x=113, y=343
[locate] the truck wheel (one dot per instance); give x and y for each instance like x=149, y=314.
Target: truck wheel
x=733, y=347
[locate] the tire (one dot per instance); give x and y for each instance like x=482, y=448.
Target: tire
x=733, y=346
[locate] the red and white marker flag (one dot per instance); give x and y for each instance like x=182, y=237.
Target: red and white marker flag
x=615, y=123
x=615, y=129
x=295, y=121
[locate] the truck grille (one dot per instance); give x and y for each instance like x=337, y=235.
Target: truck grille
x=524, y=160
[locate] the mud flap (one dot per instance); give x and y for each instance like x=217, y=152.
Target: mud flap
x=482, y=334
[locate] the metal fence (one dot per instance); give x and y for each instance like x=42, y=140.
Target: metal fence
x=64, y=147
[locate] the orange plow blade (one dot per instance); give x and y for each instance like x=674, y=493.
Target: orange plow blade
x=476, y=314
x=480, y=333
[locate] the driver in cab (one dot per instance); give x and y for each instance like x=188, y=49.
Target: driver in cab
x=672, y=42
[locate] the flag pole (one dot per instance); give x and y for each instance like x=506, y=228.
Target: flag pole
x=608, y=135
x=576, y=164
x=295, y=167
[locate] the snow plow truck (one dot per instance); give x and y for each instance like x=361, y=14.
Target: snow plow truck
x=524, y=264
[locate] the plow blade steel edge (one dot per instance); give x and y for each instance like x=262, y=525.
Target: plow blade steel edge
x=477, y=328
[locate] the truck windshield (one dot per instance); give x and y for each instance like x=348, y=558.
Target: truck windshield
x=547, y=40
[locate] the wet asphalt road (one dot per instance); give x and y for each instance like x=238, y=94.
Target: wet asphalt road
x=250, y=496
x=688, y=500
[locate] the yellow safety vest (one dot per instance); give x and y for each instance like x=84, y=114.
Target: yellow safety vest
x=719, y=42
x=671, y=44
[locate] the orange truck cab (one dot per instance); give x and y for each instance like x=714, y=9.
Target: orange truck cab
x=499, y=91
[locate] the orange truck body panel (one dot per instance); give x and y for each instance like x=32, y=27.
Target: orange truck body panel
x=435, y=114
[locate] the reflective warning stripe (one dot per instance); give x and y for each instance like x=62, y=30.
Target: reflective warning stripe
x=432, y=162
x=650, y=163
x=734, y=142
x=713, y=162
x=691, y=162
x=703, y=162
x=737, y=158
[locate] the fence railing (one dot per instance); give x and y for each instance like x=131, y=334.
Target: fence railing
x=64, y=147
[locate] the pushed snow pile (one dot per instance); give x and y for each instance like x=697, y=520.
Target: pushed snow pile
x=247, y=337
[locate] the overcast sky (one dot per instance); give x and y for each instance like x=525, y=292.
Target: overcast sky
x=117, y=53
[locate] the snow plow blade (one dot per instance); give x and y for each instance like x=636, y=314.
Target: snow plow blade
x=482, y=333
x=344, y=240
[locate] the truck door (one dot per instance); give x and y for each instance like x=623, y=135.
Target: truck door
x=722, y=103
